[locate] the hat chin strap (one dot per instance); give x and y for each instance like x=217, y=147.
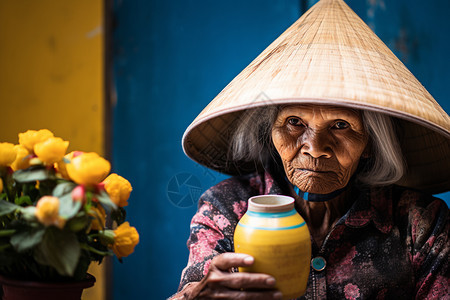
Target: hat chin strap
x=318, y=197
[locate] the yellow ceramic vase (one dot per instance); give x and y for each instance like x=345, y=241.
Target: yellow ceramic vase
x=277, y=237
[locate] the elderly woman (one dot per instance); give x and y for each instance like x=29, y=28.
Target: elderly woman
x=360, y=150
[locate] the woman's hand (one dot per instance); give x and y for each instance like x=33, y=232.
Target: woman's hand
x=219, y=283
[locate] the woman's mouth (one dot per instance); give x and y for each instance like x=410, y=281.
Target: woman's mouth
x=311, y=170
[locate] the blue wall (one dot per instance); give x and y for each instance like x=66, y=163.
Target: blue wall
x=170, y=59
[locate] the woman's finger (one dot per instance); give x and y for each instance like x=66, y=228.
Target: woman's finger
x=238, y=295
x=229, y=260
x=243, y=280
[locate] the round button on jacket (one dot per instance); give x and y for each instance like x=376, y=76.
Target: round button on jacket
x=318, y=263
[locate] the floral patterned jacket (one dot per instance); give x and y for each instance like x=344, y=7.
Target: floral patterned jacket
x=393, y=243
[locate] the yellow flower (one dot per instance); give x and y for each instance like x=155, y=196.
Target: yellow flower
x=22, y=161
x=125, y=239
x=99, y=217
x=51, y=150
x=118, y=189
x=88, y=168
x=1, y=185
x=47, y=211
x=31, y=137
x=60, y=166
x=7, y=154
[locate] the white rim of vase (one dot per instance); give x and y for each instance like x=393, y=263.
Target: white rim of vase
x=271, y=203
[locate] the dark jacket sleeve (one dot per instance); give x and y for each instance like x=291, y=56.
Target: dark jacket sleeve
x=428, y=239
x=212, y=227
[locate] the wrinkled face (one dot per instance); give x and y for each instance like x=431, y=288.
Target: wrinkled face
x=320, y=146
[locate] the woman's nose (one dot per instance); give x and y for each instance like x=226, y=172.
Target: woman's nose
x=316, y=144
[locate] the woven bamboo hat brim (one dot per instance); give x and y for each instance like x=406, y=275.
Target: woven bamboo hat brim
x=330, y=57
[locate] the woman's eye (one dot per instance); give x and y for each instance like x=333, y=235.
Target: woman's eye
x=341, y=125
x=295, y=122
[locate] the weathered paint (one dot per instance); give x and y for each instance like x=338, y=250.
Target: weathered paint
x=52, y=70
x=51, y=76
x=171, y=58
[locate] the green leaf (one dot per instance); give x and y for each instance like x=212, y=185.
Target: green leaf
x=23, y=199
x=28, y=213
x=106, y=237
x=96, y=251
x=27, y=239
x=60, y=250
x=7, y=232
x=78, y=223
x=67, y=207
x=32, y=174
x=63, y=189
x=7, y=207
x=105, y=201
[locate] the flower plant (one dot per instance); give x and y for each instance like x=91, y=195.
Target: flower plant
x=59, y=211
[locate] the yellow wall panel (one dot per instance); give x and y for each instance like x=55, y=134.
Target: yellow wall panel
x=51, y=70
x=51, y=76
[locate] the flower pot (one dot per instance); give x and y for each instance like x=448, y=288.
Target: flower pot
x=14, y=289
x=277, y=237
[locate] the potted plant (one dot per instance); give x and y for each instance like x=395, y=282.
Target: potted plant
x=58, y=213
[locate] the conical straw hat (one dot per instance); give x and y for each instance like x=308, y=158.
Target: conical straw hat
x=331, y=57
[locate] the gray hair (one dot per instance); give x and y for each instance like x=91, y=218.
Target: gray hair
x=252, y=141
